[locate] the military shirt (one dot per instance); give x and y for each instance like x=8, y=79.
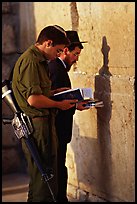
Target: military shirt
x=30, y=77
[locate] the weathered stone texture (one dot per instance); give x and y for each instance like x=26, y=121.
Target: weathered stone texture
x=5, y=70
x=6, y=8
x=100, y=157
x=11, y=160
x=8, y=40
x=52, y=14
x=110, y=21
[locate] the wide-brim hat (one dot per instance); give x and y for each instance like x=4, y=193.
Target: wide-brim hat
x=73, y=37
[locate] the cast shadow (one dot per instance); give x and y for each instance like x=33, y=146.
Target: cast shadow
x=103, y=93
x=92, y=155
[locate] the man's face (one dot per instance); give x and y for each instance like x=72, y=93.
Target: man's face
x=72, y=56
x=54, y=51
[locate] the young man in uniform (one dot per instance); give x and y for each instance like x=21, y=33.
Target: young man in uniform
x=32, y=89
x=58, y=69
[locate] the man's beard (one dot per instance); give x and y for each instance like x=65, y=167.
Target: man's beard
x=68, y=66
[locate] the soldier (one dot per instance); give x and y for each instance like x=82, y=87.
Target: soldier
x=32, y=89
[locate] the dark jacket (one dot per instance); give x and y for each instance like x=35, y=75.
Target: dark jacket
x=64, y=119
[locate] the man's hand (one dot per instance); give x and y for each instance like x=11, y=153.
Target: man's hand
x=80, y=106
x=66, y=104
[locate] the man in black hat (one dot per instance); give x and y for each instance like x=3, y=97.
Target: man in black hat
x=58, y=69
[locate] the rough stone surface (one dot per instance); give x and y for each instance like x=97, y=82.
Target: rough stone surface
x=100, y=157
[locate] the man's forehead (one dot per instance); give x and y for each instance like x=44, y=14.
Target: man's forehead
x=77, y=49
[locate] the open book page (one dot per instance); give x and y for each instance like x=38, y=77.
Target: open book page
x=87, y=93
x=66, y=91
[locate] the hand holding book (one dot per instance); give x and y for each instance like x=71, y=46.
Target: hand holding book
x=82, y=105
x=66, y=104
x=83, y=95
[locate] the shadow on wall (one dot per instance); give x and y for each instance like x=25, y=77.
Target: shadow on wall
x=93, y=156
x=103, y=92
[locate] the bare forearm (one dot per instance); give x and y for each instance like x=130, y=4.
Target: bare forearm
x=41, y=101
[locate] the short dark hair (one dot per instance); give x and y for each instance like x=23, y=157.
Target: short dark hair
x=55, y=33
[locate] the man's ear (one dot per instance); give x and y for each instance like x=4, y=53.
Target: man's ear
x=49, y=43
x=65, y=50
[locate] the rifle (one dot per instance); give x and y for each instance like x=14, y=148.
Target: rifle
x=23, y=129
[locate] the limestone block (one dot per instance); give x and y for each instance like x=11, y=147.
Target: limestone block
x=6, y=7
x=5, y=70
x=82, y=195
x=51, y=15
x=120, y=39
x=72, y=191
x=8, y=40
x=95, y=198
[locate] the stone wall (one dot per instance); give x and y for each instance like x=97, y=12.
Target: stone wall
x=100, y=157
x=12, y=156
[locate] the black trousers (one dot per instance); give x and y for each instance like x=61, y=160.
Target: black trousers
x=62, y=173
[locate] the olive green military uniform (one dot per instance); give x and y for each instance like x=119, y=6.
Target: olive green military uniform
x=31, y=77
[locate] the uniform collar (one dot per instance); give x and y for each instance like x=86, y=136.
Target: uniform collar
x=38, y=54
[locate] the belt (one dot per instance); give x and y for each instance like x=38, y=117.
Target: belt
x=40, y=118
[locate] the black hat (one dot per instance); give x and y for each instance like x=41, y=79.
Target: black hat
x=73, y=37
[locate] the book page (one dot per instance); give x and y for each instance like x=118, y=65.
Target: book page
x=67, y=91
x=87, y=93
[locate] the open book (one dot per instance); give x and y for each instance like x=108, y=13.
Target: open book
x=77, y=93
x=82, y=94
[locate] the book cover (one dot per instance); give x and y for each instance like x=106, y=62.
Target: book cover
x=77, y=93
x=68, y=94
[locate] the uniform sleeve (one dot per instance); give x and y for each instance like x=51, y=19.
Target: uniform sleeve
x=29, y=80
